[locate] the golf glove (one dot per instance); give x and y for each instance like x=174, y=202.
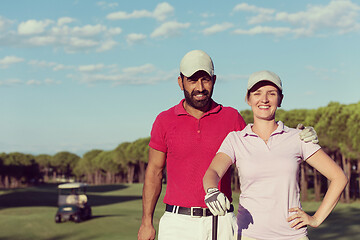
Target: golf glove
x=308, y=134
x=217, y=202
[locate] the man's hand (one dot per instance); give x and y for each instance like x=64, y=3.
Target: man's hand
x=308, y=134
x=146, y=232
x=217, y=202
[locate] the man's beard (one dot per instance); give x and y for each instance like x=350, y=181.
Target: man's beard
x=198, y=104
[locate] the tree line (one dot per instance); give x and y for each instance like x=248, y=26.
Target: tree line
x=337, y=125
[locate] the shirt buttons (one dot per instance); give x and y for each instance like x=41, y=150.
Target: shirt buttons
x=198, y=131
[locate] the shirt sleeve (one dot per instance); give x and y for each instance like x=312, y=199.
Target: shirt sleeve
x=227, y=146
x=308, y=149
x=157, y=139
x=240, y=123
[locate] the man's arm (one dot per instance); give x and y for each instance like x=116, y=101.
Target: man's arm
x=151, y=192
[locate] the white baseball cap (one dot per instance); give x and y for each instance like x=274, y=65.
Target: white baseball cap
x=194, y=61
x=264, y=76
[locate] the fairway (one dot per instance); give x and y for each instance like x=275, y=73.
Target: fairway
x=29, y=214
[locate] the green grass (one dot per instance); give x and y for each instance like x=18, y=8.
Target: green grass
x=29, y=214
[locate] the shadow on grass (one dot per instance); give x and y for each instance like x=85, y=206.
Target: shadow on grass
x=105, y=188
x=46, y=196
x=104, y=216
x=72, y=235
x=338, y=224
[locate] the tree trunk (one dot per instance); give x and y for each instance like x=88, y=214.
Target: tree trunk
x=235, y=179
x=6, y=181
x=358, y=171
x=347, y=171
x=97, y=177
x=141, y=172
x=317, y=185
x=46, y=175
x=108, y=177
x=54, y=176
x=304, y=181
x=130, y=173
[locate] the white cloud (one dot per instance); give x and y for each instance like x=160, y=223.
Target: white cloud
x=84, y=31
x=144, y=74
x=160, y=13
x=123, y=15
x=61, y=31
x=278, y=31
x=33, y=27
x=89, y=37
x=217, y=28
x=59, y=67
x=42, y=40
x=163, y=11
x=82, y=42
x=65, y=20
x=134, y=38
x=106, y=45
x=115, y=31
x=10, y=82
x=33, y=82
x=104, y=4
x=252, y=8
x=89, y=30
x=55, y=66
x=41, y=63
x=261, y=18
x=263, y=14
x=342, y=15
x=169, y=29
x=4, y=23
x=91, y=68
x=146, y=68
x=49, y=81
x=207, y=15
x=317, y=20
x=8, y=60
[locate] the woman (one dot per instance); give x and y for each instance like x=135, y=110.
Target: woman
x=267, y=155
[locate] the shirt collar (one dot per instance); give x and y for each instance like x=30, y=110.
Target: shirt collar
x=280, y=129
x=180, y=110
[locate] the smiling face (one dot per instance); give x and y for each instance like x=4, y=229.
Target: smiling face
x=198, y=90
x=264, y=98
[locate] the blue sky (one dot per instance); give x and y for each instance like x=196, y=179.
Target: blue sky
x=78, y=75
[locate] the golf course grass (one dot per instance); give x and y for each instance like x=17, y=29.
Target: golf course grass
x=29, y=213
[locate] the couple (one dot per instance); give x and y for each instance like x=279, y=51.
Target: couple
x=199, y=139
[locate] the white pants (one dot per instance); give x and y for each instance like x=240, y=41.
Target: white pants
x=247, y=238
x=174, y=226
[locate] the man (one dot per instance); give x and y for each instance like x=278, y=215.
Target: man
x=186, y=138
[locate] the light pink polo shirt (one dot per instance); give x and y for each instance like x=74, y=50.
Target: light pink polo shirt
x=269, y=180
x=190, y=145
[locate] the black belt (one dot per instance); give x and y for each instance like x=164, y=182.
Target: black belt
x=193, y=211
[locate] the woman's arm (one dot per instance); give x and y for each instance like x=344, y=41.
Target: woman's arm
x=216, y=170
x=327, y=167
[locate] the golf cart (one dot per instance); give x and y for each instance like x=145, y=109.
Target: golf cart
x=73, y=203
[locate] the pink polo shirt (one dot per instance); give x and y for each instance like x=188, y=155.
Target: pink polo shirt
x=269, y=180
x=190, y=145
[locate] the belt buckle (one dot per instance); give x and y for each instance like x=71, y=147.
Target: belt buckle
x=192, y=212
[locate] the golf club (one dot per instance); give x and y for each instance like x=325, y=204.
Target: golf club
x=214, y=227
